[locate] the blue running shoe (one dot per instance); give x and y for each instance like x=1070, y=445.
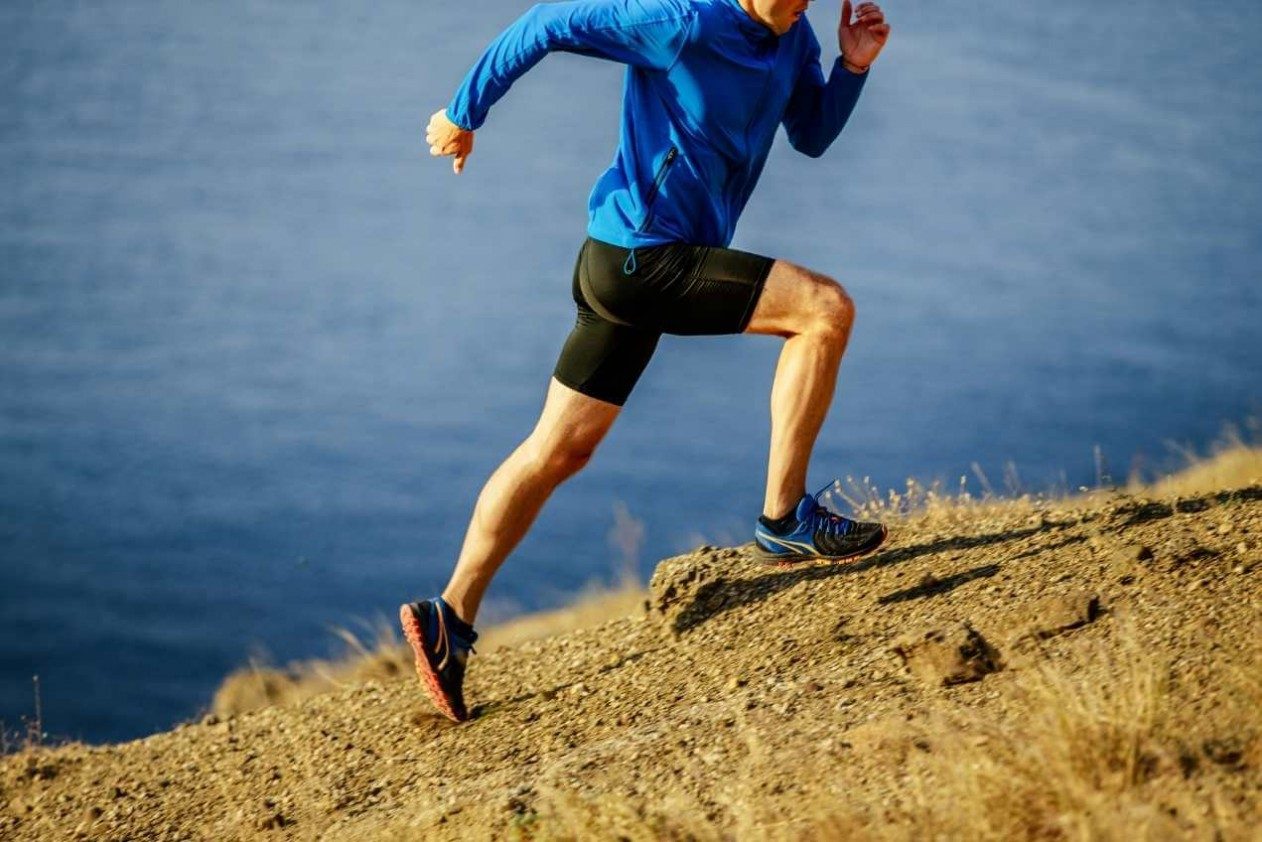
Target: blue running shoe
x=441, y=644
x=817, y=533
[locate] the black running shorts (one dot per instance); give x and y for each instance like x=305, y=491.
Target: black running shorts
x=628, y=298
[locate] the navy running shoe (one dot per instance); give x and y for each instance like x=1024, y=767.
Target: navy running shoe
x=441, y=652
x=817, y=533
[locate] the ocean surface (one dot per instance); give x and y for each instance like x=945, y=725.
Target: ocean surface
x=260, y=350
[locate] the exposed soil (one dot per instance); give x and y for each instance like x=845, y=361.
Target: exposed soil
x=740, y=688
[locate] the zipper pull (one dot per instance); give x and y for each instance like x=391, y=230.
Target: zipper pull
x=628, y=266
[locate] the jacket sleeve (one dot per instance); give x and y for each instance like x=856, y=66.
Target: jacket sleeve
x=817, y=111
x=642, y=33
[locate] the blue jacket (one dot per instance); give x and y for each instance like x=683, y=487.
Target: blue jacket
x=706, y=86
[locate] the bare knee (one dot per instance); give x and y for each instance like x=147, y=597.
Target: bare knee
x=561, y=459
x=832, y=308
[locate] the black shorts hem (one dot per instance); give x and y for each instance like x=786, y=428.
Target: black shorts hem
x=616, y=398
x=759, y=283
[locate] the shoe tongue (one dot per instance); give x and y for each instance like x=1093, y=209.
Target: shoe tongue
x=805, y=506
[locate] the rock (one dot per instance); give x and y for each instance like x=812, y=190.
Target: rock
x=273, y=821
x=1225, y=752
x=1183, y=549
x=946, y=656
x=1141, y=511
x=1130, y=559
x=687, y=590
x=1063, y=612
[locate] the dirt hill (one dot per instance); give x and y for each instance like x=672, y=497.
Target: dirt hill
x=1078, y=669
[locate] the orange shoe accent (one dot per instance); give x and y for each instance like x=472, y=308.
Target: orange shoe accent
x=429, y=679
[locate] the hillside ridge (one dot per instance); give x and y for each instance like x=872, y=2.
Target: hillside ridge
x=748, y=701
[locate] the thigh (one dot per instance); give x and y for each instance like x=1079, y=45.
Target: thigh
x=675, y=287
x=572, y=420
x=793, y=299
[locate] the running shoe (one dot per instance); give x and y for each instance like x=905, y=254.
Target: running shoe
x=441, y=653
x=817, y=533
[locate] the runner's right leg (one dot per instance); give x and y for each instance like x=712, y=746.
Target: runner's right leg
x=814, y=315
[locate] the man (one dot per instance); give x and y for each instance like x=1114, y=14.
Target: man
x=707, y=85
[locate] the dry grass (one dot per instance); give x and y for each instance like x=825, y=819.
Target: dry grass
x=1234, y=460
x=1076, y=765
x=32, y=735
x=1233, y=467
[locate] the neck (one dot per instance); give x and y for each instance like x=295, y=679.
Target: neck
x=748, y=6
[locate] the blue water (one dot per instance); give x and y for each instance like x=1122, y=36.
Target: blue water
x=260, y=351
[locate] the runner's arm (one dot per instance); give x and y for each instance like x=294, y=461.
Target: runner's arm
x=817, y=110
x=643, y=33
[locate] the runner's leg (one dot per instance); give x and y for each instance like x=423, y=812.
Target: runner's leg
x=814, y=315
x=692, y=290
x=598, y=367
x=570, y=427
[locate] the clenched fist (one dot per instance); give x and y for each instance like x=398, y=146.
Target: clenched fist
x=446, y=138
x=862, y=39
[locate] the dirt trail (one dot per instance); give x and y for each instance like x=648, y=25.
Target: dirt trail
x=741, y=692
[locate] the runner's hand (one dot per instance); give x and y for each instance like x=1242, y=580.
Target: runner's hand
x=446, y=138
x=862, y=41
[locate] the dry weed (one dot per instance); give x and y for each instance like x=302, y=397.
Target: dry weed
x=1091, y=751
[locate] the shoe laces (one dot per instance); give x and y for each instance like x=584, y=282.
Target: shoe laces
x=443, y=644
x=822, y=519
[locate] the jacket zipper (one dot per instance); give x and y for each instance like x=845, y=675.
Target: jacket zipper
x=628, y=266
x=657, y=186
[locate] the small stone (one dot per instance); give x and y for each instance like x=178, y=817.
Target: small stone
x=946, y=656
x=1132, y=553
x=1063, y=612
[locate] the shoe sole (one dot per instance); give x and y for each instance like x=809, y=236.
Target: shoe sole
x=429, y=679
x=774, y=560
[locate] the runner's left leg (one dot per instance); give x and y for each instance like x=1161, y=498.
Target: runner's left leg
x=598, y=367
x=568, y=430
